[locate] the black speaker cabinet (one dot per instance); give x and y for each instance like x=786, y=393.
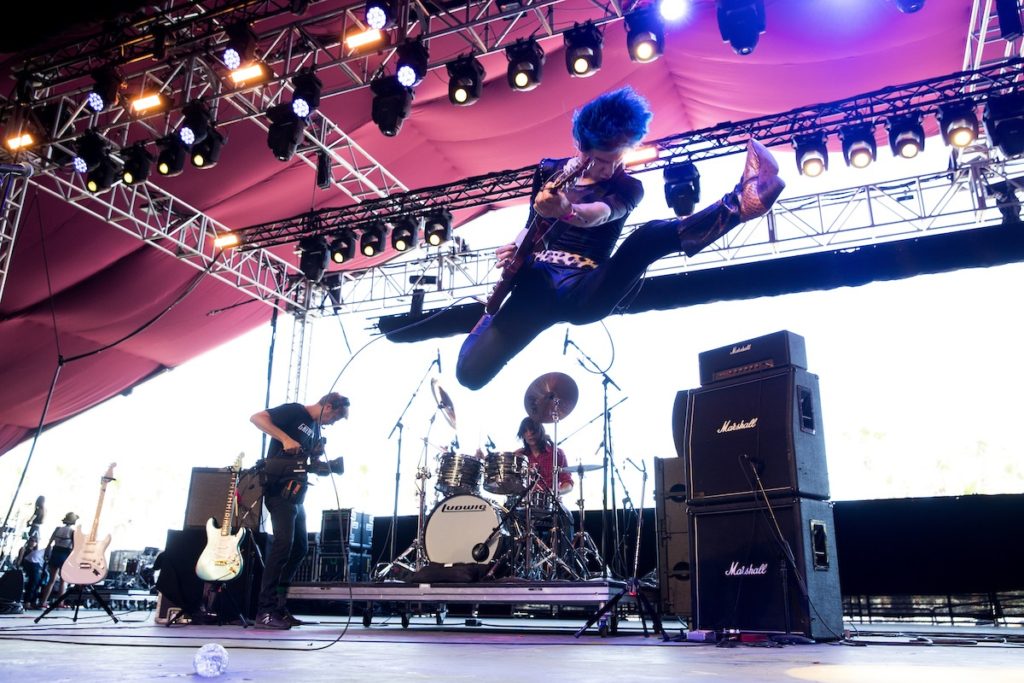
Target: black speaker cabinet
x=768, y=424
x=208, y=494
x=181, y=589
x=742, y=580
x=671, y=524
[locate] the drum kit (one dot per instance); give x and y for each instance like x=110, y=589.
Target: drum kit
x=523, y=530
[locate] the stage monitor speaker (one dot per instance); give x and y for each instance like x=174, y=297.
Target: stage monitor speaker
x=180, y=589
x=769, y=424
x=335, y=530
x=671, y=524
x=741, y=577
x=208, y=493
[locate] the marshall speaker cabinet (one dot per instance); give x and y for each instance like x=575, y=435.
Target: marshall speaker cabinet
x=743, y=580
x=207, y=496
x=762, y=430
x=672, y=526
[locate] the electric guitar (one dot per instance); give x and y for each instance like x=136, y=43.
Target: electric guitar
x=533, y=239
x=87, y=563
x=221, y=559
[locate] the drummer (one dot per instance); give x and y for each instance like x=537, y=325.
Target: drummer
x=537, y=447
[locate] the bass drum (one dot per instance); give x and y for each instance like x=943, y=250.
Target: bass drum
x=458, y=525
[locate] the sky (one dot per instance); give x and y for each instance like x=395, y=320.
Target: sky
x=917, y=380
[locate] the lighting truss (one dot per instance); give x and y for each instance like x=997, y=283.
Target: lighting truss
x=708, y=143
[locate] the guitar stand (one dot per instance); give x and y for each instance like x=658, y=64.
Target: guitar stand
x=632, y=588
x=210, y=592
x=76, y=589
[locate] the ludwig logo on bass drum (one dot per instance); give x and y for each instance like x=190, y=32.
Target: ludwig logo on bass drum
x=463, y=508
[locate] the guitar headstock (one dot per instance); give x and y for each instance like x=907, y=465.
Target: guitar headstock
x=109, y=474
x=237, y=467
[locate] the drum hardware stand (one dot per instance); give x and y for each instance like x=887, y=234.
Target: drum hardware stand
x=632, y=587
x=582, y=542
x=400, y=427
x=606, y=448
x=75, y=590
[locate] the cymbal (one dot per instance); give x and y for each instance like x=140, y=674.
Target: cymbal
x=444, y=402
x=550, y=396
x=585, y=468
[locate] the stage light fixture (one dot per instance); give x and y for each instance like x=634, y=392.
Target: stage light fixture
x=405, y=233
x=958, y=124
x=150, y=104
x=392, y=103
x=859, y=147
x=645, y=35
x=206, y=154
x=360, y=39
x=525, y=64
x=583, y=49
x=285, y=132
x=313, y=257
x=1010, y=27
x=241, y=47
x=251, y=74
x=640, y=155
x=227, y=240
x=197, y=123
x=171, y=160
x=906, y=135
x=323, y=170
x=909, y=6
x=1004, y=122
x=413, y=59
x=20, y=141
x=306, y=93
x=379, y=14
x=102, y=177
x=137, y=163
x=90, y=149
x=741, y=22
x=465, y=81
x=811, y=154
x=673, y=10
x=343, y=247
x=682, y=188
x=373, y=239
x=437, y=227
x=107, y=84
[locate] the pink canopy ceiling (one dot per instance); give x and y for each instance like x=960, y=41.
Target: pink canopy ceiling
x=78, y=285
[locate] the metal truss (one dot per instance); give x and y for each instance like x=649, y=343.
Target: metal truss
x=12, y=201
x=163, y=221
x=985, y=44
x=715, y=141
x=974, y=195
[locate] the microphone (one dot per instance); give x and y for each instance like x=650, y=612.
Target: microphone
x=23, y=170
x=565, y=344
x=480, y=552
x=438, y=361
x=489, y=444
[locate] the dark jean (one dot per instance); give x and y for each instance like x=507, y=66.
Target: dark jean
x=287, y=549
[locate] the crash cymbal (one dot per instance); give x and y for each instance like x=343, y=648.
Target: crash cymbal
x=551, y=395
x=444, y=402
x=585, y=468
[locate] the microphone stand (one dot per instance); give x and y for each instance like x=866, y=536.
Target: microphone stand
x=608, y=462
x=399, y=427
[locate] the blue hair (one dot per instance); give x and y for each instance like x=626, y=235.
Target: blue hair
x=615, y=119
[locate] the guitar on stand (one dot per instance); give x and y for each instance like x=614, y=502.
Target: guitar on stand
x=87, y=563
x=221, y=559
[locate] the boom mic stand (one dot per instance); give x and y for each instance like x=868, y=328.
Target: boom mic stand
x=632, y=586
x=606, y=447
x=398, y=458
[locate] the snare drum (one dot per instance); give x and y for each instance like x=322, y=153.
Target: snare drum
x=459, y=473
x=458, y=525
x=506, y=473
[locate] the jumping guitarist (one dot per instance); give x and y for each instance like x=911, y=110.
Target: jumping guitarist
x=295, y=449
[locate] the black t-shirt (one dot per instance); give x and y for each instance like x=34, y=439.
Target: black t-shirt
x=294, y=420
x=622, y=193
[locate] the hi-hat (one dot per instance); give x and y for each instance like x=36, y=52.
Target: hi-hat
x=550, y=397
x=444, y=402
x=585, y=468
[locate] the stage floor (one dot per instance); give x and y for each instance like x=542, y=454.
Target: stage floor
x=534, y=650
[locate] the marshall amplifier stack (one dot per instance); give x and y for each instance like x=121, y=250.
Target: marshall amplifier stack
x=762, y=554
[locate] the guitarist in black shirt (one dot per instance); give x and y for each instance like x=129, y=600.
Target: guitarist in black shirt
x=568, y=272
x=295, y=449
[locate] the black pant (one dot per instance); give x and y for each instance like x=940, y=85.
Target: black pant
x=287, y=549
x=546, y=294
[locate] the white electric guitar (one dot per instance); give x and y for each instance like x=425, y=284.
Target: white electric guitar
x=221, y=559
x=87, y=563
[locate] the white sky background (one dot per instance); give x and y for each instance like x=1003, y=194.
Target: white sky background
x=918, y=378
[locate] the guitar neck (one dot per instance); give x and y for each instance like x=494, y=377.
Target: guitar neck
x=225, y=527
x=99, y=508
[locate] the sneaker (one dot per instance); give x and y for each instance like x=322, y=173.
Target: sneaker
x=269, y=620
x=295, y=621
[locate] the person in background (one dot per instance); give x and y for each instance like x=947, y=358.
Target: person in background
x=57, y=550
x=31, y=561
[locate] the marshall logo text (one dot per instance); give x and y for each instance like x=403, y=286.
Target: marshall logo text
x=730, y=426
x=736, y=569
x=739, y=349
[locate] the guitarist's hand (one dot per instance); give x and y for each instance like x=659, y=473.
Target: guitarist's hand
x=505, y=253
x=551, y=204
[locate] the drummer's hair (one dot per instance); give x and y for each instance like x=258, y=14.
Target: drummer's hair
x=529, y=422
